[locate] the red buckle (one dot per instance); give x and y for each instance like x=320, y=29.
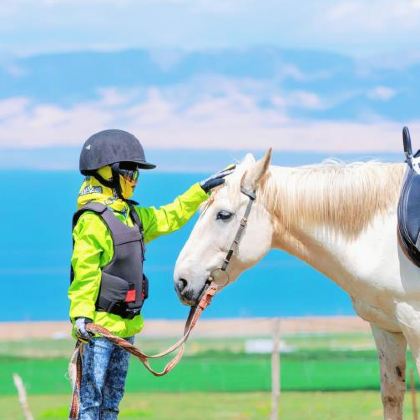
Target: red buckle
x=130, y=296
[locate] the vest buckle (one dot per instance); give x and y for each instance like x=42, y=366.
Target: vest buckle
x=130, y=296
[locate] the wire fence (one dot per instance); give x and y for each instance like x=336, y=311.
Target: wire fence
x=223, y=357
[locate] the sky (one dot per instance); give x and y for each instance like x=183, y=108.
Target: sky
x=318, y=75
x=355, y=27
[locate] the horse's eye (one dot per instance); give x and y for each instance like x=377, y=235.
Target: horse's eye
x=224, y=215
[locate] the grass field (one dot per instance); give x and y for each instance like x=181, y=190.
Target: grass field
x=217, y=371
x=218, y=406
x=216, y=376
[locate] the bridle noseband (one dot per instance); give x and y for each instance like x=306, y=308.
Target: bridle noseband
x=235, y=244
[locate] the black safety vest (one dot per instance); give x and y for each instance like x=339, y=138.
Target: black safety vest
x=124, y=287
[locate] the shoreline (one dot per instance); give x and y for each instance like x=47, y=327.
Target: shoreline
x=228, y=327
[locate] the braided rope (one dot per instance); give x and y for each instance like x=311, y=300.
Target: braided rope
x=76, y=360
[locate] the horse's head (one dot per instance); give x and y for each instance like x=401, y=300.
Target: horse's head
x=212, y=236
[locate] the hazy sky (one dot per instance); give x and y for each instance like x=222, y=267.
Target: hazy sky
x=355, y=99
x=354, y=27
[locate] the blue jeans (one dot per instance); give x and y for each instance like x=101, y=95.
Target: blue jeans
x=104, y=369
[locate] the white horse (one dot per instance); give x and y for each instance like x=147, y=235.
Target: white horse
x=341, y=219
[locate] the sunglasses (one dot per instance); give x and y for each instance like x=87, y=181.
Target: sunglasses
x=130, y=175
x=129, y=172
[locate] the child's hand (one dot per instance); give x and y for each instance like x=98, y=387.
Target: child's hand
x=81, y=333
x=216, y=179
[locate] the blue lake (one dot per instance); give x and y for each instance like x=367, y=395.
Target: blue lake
x=35, y=249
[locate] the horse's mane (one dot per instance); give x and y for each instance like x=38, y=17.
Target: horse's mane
x=343, y=196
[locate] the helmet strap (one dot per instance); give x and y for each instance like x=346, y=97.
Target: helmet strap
x=113, y=183
x=101, y=179
x=115, y=167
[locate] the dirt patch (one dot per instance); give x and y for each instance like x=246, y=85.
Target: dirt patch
x=243, y=327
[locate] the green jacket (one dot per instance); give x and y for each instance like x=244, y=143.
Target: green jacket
x=93, y=249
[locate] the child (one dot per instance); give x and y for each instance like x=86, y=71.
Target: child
x=108, y=286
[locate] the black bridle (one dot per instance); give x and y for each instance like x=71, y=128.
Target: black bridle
x=235, y=244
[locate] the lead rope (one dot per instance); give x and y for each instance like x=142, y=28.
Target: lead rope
x=75, y=368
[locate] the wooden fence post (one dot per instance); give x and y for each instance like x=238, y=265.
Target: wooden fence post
x=22, y=397
x=413, y=394
x=275, y=371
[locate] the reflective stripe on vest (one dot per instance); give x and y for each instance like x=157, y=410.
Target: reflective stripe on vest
x=123, y=284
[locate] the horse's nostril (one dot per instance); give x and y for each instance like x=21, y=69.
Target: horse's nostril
x=182, y=284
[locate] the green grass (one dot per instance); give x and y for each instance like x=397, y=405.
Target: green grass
x=320, y=362
x=215, y=372
x=63, y=347
x=338, y=341
x=215, y=380
x=219, y=406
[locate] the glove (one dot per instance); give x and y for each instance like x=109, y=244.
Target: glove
x=216, y=179
x=81, y=333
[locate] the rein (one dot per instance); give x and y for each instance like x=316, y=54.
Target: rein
x=209, y=290
x=75, y=368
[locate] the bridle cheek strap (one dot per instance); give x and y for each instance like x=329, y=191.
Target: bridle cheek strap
x=242, y=225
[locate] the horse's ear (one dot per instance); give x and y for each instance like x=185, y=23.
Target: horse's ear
x=248, y=160
x=254, y=174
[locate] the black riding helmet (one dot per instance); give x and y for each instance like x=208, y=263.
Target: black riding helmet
x=116, y=148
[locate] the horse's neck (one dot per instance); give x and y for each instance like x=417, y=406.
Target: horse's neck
x=329, y=224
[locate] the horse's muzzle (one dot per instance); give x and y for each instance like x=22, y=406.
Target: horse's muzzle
x=188, y=295
x=185, y=294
